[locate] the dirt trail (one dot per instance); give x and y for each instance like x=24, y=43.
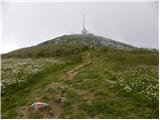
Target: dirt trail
x=73, y=72
x=23, y=111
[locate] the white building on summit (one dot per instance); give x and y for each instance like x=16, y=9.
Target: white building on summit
x=84, y=30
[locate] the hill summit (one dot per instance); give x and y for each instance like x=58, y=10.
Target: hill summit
x=68, y=44
x=89, y=40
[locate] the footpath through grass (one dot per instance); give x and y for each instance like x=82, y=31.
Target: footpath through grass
x=94, y=92
x=17, y=95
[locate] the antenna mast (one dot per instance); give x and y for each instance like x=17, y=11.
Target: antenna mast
x=83, y=20
x=84, y=31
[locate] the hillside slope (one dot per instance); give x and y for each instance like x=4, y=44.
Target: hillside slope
x=89, y=39
x=80, y=78
x=95, y=83
x=67, y=44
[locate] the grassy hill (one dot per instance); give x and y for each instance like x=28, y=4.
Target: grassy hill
x=77, y=81
x=67, y=44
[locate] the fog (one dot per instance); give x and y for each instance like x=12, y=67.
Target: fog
x=29, y=23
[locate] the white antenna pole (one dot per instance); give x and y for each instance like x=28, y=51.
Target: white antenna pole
x=83, y=20
x=84, y=31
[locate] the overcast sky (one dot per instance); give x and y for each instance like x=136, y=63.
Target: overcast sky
x=28, y=23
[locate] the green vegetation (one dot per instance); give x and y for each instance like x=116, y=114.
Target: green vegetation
x=46, y=51
x=118, y=83
x=141, y=83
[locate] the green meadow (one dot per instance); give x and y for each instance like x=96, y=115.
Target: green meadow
x=80, y=82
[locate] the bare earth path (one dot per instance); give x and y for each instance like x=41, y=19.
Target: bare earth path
x=70, y=74
x=73, y=72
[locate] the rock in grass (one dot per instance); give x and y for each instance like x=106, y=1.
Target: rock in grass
x=39, y=105
x=61, y=99
x=111, y=81
x=64, y=89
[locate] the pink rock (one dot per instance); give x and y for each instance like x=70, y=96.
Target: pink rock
x=39, y=105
